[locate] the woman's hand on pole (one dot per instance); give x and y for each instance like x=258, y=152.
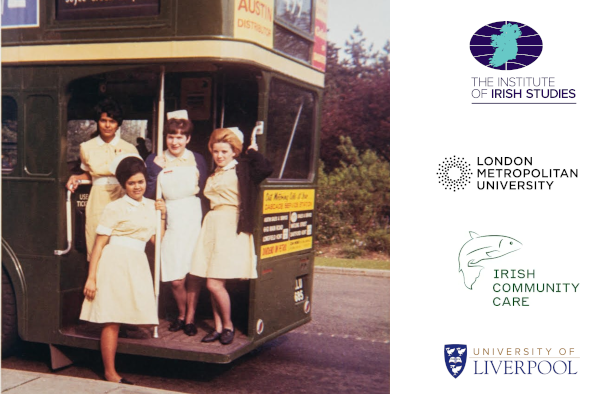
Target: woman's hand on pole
x=75, y=180
x=160, y=206
x=254, y=147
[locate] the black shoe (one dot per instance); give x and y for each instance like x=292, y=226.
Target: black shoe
x=126, y=381
x=212, y=337
x=176, y=325
x=190, y=329
x=226, y=336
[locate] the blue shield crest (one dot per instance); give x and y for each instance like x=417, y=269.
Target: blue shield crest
x=455, y=357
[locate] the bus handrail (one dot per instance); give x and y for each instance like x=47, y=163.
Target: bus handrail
x=69, y=221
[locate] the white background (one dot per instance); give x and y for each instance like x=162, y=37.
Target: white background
x=432, y=119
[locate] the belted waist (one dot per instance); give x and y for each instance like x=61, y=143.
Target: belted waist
x=105, y=180
x=225, y=208
x=128, y=242
x=169, y=199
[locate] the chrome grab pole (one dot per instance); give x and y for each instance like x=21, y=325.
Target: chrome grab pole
x=161, y=120
x=69, y=221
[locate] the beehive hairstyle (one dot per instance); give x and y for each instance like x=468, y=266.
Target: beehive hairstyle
x=128, y=167
x=226, y=135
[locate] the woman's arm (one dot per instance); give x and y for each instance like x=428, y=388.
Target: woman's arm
x=260, y=167
x=160, y=206
x=91, y=284
x=73, y=183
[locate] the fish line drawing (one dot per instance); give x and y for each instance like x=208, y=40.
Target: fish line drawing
x=483, y=247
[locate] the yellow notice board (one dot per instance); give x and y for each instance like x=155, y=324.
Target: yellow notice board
x=287, y=221
x=253, y=21
x=278, y=201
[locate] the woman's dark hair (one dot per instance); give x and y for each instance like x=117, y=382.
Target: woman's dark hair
x=111, y=108
x=182, y=126
x=129, y=167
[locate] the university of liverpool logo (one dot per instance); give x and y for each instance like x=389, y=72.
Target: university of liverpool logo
x=455, y=357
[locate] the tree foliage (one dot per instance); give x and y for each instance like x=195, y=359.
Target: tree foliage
x=356, y=99
x=354, y=200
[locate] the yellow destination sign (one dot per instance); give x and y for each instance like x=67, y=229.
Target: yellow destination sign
x=281, y=201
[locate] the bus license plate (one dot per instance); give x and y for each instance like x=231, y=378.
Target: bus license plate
x=298, y=293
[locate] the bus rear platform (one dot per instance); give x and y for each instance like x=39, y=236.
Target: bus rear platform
x=140, y=341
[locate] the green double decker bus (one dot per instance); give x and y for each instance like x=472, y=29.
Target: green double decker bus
x=228, y=63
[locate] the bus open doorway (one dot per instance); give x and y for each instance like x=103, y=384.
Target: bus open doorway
x=214, y=96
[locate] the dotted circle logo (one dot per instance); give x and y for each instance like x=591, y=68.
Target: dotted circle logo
x=506, y=45
x=454, y=173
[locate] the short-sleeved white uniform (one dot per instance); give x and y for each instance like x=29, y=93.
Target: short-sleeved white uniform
x=124, y=283
x=179, y=183
x=96, y=156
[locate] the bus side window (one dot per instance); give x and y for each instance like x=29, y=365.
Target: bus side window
x=41, y=118
x=9, y=134
x=290, y=135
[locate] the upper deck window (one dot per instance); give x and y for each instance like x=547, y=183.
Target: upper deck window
x=92, y=9
x=296, y=13
x=294, y=28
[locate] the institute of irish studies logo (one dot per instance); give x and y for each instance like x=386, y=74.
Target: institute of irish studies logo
x=455, y=357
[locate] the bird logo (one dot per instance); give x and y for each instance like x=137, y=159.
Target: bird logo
x=455, y=364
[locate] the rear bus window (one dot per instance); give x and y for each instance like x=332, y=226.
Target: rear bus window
x=290, y=135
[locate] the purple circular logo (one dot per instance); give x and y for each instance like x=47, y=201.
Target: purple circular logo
x=506, y=45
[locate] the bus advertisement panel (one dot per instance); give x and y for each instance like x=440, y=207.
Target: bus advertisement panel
x=287, y=221
x=319, y=50
x=253, y=21
x=20, y=13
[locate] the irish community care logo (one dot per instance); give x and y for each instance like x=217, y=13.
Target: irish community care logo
x=455, y=357
x=454, y=173
x=483, y=247
x=506, y=45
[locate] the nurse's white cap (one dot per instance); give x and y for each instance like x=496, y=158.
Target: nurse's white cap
x=179, y=114
x=237, y=132
x=116, y=162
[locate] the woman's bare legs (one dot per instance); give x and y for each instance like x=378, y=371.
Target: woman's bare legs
x=216, y=316
x=109, y=344
x=222, y=304
x=178, y=288
x=192, y=291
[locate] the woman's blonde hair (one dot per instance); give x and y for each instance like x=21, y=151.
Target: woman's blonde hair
x=228, y=136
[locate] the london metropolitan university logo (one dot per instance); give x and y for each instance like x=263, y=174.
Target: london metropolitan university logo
x=454, y=173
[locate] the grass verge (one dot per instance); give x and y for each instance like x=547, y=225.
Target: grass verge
x=352, y=263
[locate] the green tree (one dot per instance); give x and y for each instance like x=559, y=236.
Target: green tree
x=356, y=99
x=354, y=200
